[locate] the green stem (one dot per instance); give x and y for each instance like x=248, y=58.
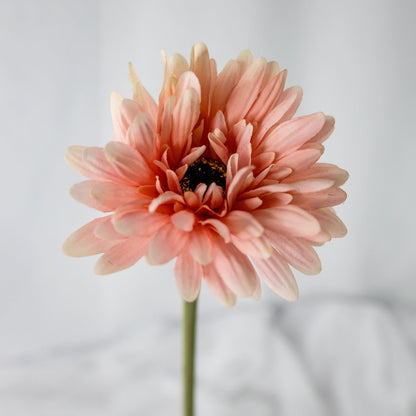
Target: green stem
x=189, y=323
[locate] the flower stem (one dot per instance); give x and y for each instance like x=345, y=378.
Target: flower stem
x=189, y=323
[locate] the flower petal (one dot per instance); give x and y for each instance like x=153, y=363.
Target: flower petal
x=201, y=246
x=141, y=136
x=129, y=163
x=330, y=222
x=288, y=220
x=292, y=134
x=298, y=252
x=185, y=115
x=123, y=112
x=200, y=65
x=285, y=108
x=236, y=270
x=121, y=256
x=320, y=171
x=278, y=276
x=188, y=275
x=326, y=198
x=166, y=244
x=165, y=198
x=245, y=92
x=136, y=222
x=112, y=195
x=243, y=225
x=84, y=242
x=141, y=95
x=106, y=231
x=258, y=247
x=267, y=98
x=218, y=288
x=81, y=192
x=224, y=84
x=184, y=220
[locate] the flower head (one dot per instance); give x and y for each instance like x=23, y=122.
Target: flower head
x=217, y=175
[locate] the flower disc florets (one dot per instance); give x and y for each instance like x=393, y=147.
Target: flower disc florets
x=204, y=171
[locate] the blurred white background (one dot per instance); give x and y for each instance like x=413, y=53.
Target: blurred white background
x=75, y=344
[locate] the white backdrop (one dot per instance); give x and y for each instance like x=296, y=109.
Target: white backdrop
x=76, y=344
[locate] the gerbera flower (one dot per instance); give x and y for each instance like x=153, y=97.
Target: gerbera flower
x=217, y=175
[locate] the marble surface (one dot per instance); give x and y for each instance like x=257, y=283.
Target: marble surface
x=328, y=356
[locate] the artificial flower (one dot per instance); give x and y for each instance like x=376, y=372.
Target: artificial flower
x=218, y=175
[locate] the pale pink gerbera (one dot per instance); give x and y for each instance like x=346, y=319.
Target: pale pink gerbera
x=218, y=176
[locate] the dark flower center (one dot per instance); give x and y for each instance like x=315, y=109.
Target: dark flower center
x=204, y=171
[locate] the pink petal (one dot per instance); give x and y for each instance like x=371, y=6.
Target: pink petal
x=218, y=288
x=292, y=134
x=81, y=192
x=73, y=158
x=123, y=112
x=285, y=109
x=225, y=82
x=213, y=196
x=237, y=183
x=243, y=225
x=267, y=189
x=129, y=163
x=330, y=222
x=200, y=64
x=194, y=154
x=166, y=244
x=289, y=220
x=272, y=70
x=219, y=227
x=232, y=168
x=173, y=181
x=192, y=200
x=95, y=161
x=141, y=136
x=185, y=115
x=263, y=160
x=188, y=275
x=248, y=204
x=106, y=231
x=184, y=220
x=301, y=159
x=322, y=199
x=218, y=146
x=113, y=195
x=313, y=185
x=166, y=121
x=187, y=80
x=258, y=247
x=83, y=242
x=267, y=98
x=165, y=198
x=244, y=60
x=326, y=130
x=218, y=122
x=245, y=92
x=141, y=95
x=201, y=245
x=130, y=221
x=121, y=256
x=298, y=252
x=320, y=171
x=278, y=276
x=236, y=270
x=243, y=133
